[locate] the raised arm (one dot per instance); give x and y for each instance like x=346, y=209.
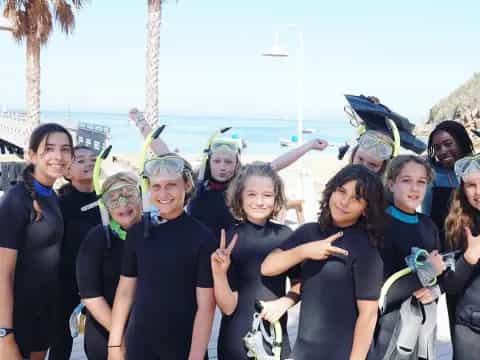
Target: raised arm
x=293, y=155
x=220, y=261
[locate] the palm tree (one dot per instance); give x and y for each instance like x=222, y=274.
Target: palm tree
x=33, y=22
x=153, y=50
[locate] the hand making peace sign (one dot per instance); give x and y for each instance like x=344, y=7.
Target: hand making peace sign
x=220, y=259
x=322, y=249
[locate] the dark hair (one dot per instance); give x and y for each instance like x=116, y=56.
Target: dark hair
x=368, y=187
x=40, y=134
x=237, y=186
x=68, y=187
x=460, y=215
x=458, y=132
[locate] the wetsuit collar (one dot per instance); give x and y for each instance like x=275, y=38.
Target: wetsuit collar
x=42, y=190
x=217, y=186
x=402, y=215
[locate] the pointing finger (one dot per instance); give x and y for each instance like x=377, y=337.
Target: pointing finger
x=334, y=237
x=337, y=250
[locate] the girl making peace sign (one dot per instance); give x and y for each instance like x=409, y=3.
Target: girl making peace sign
x=254, y=196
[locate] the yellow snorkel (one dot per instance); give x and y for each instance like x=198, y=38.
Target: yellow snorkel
x=206, y=152
x=155, y=133
x=396, y=136
x=98, y=189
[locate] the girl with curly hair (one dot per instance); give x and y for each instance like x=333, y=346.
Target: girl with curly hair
x=341, y=270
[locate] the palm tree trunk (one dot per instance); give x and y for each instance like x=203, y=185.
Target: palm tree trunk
x=153, y=50
x=33, y=81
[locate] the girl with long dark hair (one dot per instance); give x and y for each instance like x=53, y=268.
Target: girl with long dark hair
x=30, y=247
x=341, y=269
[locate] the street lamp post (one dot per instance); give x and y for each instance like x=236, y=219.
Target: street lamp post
x=278, y=52
x=306, y=180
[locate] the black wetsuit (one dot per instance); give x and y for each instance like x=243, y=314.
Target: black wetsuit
x=38, y=245
x=209, y=207
x=403, y=231
x=254, y=244
x=169, y=265
x=98, y=272
x=330, y=290
x=77, y=224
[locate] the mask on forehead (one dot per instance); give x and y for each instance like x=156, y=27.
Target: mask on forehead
x=166, y=167
x=376, y=145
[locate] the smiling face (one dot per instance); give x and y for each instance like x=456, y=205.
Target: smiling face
x=446, y=149
x=123, y=203
x=82, y=165
x=368, y=160
x=471, y=188
x=346, y=207
x=168, y=195
x=258, y=199
x=409, y=187
x=223, y=165
x=52, y=158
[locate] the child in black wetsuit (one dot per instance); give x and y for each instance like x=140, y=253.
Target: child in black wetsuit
x=30, y=247
x=208, y=202
x=99, y=260
x=166, y=279
x=78, y=219
x=462, y=229
x=341, y=269
x=255, y=196
x=407, y=180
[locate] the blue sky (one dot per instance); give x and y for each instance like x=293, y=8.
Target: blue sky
x=408, y=53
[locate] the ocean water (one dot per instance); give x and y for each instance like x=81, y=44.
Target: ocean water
x=189, y=133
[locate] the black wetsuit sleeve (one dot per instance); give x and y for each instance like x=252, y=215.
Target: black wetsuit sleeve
x=89, y=264
x=204, y=270
x=454, y=282
x=129, y=263
x=368, y=275
x=15, y=211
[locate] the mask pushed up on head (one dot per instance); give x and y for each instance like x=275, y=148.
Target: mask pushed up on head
x=466, y=166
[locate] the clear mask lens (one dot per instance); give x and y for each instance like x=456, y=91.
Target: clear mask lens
x=121, y=195
x=169, y=167
x=376, y=146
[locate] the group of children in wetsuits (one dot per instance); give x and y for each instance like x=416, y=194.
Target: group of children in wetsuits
x=151, y=287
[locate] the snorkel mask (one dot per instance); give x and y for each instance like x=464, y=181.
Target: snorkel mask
x=466, y=166
x=206, y=152
x=376, y=145
x=260, y=343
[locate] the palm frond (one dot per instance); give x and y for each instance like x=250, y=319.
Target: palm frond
x=64, y=15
